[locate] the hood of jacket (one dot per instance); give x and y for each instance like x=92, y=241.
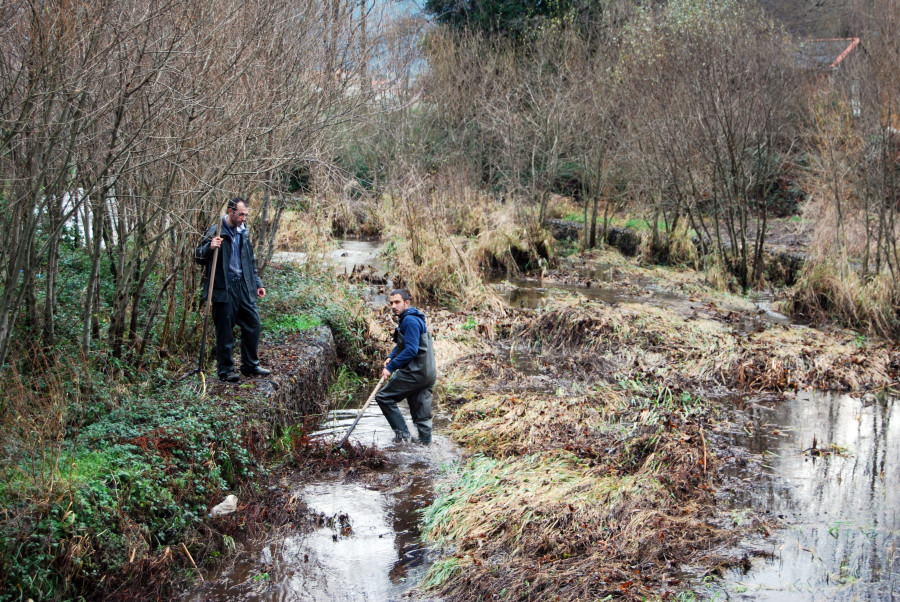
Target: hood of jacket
x=412, y=312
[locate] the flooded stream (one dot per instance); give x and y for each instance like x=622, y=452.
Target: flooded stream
x=366, y=545
x=835, y=509
x=839, y=506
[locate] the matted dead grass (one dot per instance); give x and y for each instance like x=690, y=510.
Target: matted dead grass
x=641, y=339
x=603, y=484
x=577, y=498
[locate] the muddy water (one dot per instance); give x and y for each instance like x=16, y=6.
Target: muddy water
x=367, y=544
x=838, y=509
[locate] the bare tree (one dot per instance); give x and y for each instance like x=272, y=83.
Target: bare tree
x=140, y=117
x=712, y=88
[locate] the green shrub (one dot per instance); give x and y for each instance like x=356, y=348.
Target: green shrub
x=136, y=480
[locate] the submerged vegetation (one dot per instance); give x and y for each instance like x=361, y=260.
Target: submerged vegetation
x=593, y=447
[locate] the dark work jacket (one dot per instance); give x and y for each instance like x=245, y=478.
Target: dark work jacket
x=421, y=366
x=203, y=256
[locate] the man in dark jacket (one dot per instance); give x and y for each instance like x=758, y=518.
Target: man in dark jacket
x=232, y=301
x=411, y=370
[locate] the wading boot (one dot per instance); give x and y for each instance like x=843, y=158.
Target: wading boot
x=401, y=438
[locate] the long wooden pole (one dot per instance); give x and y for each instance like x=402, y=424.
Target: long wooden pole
x=361, y=412
x=209, y=294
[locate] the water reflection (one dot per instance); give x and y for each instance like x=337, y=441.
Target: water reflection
x=839, y=504
x=368, y=544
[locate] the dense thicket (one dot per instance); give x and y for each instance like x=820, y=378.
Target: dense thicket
x=124, y=127
x=707, y=120
x=685, y=111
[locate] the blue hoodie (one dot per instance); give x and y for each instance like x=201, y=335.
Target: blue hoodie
x=412, y=327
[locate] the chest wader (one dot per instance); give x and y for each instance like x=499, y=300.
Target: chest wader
x=413, y=383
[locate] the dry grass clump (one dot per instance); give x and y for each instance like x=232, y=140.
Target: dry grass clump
x=797, y=358
x=512, y=247
x=442, y=241
x=562, y=207
x=718, y=275
x=639, y=339
x=303, y=231
x=312, y=229
x=675, y=247
x=576, y=498
x=682, y=250
x=431, y=260
x=826, y=290
x=466, y=211
x=439, y=271
x=713, y=282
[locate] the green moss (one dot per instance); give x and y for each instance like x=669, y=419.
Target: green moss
x=278, y=326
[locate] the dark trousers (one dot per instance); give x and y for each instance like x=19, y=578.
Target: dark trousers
x=240, y=310
x=406, y=386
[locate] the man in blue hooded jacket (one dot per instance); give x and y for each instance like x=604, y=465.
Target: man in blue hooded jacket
x=411, y=370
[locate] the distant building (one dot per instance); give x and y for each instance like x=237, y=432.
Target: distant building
x=827, y=55
x=833, y=59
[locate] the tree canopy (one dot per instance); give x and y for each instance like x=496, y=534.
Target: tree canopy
x=510, y=18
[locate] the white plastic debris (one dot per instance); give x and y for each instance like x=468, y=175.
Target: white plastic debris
x=226, y=507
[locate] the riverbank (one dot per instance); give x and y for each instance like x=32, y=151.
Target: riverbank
x=109, y=497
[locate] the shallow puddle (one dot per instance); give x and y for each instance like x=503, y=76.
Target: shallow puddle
x=838, y=507
x=367, y=543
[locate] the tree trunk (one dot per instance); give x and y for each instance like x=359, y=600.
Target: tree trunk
x=55, y=215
